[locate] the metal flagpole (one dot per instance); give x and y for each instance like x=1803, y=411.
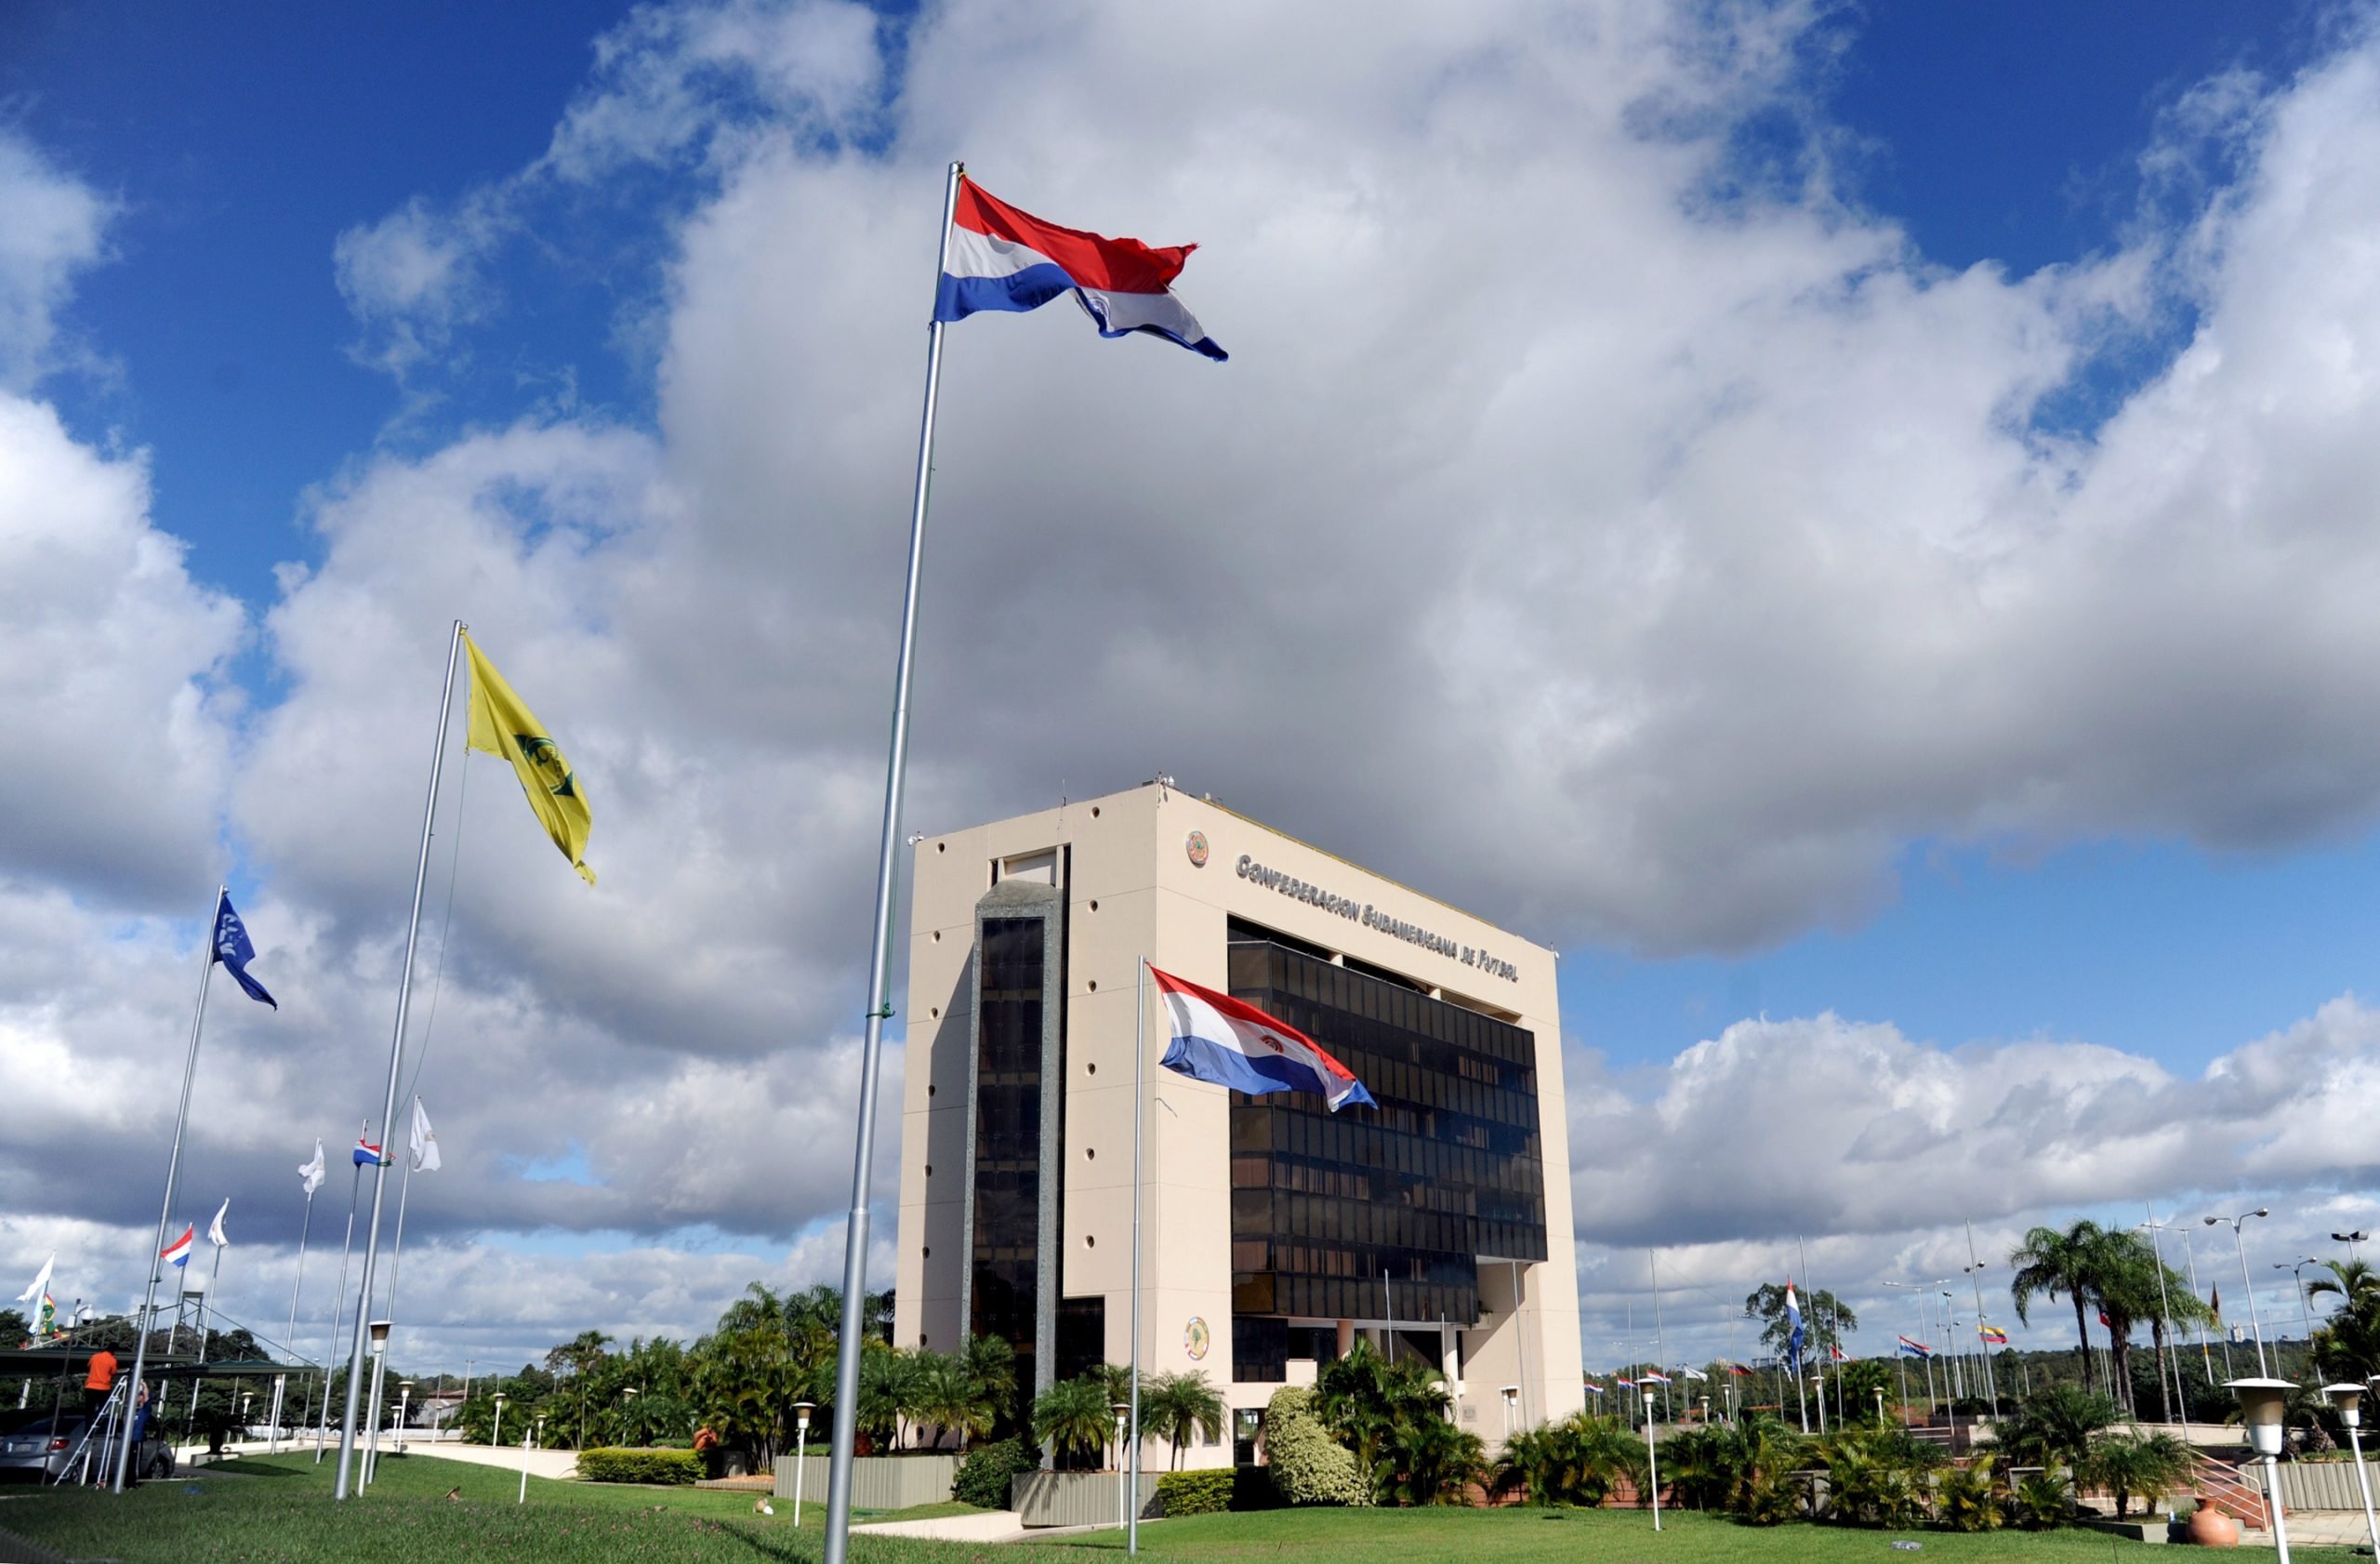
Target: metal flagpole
x=1661, y=1347
x=339, y=1298
x=290, y=1337
x=380, y=1360
x=396, y=1059
x=173, y=1170
x=1974, y=1270
x=205, y=1311
x=1140, y=1056
x=880, y=961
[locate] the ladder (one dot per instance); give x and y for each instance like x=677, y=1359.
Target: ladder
x=111, y=1412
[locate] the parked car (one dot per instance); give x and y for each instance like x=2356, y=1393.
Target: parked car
x=33, y=1446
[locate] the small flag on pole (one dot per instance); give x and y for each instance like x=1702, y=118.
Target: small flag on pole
x=231, y=949
x=214, y=1229
x=312, y=1172
x=41, y=1283
x=45, y=1323
x=1999, y=1337
x=1739, y=1371
x=1653, y=1376
x=2215, y=1302
x=1915, y=1349
x=366, y=1154
x=425, y=1140
x=502, y=724
x=1594, y=1389
x=1793, y=1328
x=1001, y=259
x=177, y=1251
x=1232, y=1044
x=1694, y=1374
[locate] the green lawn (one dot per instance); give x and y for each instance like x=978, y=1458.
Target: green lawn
x=278, y=1511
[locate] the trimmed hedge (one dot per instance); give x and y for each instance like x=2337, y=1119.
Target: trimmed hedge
x=983, y=1478
x=1307, y=1465
x=1200, y=1492
x=673, y=1467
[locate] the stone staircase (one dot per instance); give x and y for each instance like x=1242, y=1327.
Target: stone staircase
x=2229, y=1490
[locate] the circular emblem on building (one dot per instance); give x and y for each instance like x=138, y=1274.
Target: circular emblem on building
x=1195, y=846
x=1194, y=1335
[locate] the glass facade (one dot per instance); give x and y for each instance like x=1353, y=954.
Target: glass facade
x=1448, y=1169
x=1003, y=1289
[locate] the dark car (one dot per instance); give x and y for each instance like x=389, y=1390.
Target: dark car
x=35, y=1446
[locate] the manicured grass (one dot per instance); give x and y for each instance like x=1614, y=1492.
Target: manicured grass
x=1535, y=1536
x=288, y=1518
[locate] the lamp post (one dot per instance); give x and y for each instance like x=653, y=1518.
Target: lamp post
x=2263, y=1406
x=523, y=1497
x=404, y=1410
x=380, y=1329
x=246, y=1396
x=1123, y=1502
x=1653, y=1463
x=1817, y=1382
x=2298, y=1273
x=2246, y=1284
x=1879, y=1407
x=496, y=1438
x=628, y=1400
x=2351, y=1240
x=801, y=1410
x=2348, y=1398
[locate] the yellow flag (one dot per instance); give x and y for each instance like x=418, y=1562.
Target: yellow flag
x=502, y=726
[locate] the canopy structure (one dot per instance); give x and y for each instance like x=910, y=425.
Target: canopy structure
x=54, y=1363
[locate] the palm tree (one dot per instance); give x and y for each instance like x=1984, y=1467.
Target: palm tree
x=948, y=1398
x=890, y=1383
x=1576, y=1461
x=2346, y=1345
x=2054, y=1424
x=990, y=1365
x=1179, y=1406
x=1073, y=1416
x=2133, y=1284
x=2051, y=1264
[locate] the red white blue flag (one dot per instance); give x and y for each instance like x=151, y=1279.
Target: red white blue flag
x=1915, y=1349
x=1233, y=1043
x=1001, y=259
x=177, y=1251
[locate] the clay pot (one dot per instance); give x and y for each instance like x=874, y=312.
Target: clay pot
x=2212, y=1528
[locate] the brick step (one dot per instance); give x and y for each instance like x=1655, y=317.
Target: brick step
x=2228, y=1492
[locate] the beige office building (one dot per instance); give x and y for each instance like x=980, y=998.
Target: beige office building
x=1274, y=1233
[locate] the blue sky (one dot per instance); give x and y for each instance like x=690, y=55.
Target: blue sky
x=1932, y=729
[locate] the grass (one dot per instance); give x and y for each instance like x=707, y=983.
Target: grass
x=278, y=1511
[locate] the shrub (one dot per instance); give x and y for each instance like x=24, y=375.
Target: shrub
x=984, y=1477
x=1308, y=1466
x=1967, y=1497
x=1200, y=1492
x=2043, y=1500
x=677, y=1467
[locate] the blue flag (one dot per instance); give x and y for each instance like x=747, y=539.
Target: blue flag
x=231, y=949
x=1793, y=1326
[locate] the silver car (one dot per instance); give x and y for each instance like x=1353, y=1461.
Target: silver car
x=35, y=1446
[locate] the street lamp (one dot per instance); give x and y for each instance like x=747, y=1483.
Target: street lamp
x=2351, y=1240
x=801, y=1410
x=1817, y=1383
x=1123, y=1500
x=246, y=1396
x=1880, y=1406
x=380, y=1329
x=495, y=1439
x=405, y=1408
x=2297, y=1274
x=2348, y=1398
x=2246, y=1284
x=2264, y=1407
x=628, y=1398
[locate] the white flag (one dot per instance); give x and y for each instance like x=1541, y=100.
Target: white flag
x=214, y=1229
x=425, y=1141
x=312, y=1172
x=41, y=1283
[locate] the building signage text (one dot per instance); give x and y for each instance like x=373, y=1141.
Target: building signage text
x=1371, y=916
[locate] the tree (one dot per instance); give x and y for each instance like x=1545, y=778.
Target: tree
x=2125, y=1465
x=2053, y=1264
x=1376, y=1409
x=2132, y=1284
x=951, y=1398
x=1825, y=1321
x=2055, y=1425
x=890, y=1383
x=1178, y=1406
x=2346, y=1345
x=1073, y=1416
x=990, y=1365
x=1576, y=1460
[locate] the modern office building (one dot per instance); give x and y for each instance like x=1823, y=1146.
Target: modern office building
x=1274, y=1233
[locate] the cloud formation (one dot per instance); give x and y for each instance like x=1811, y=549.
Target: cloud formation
x=1636, y=550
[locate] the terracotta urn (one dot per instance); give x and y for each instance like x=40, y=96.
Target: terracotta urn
x=2211, y=1527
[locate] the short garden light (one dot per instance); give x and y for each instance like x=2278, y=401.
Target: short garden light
x=801, y=1410
x=2264, y=1407
x=2348, y=1398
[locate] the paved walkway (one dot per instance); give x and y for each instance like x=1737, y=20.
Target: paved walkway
x=991, y=1526
x=542, y=1462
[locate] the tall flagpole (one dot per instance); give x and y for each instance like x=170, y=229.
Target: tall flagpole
x=339, y=1297
x=290, y=1337
x=1140, y=1057
x=380, y=1360
x=396, y=1059
x=173, y=1170
x=879, y=1004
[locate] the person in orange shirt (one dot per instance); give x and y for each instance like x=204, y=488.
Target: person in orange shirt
x=100, y=1379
